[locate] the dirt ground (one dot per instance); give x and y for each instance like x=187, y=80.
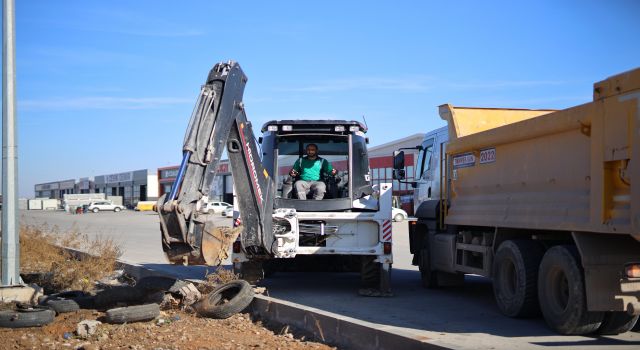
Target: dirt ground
x=172, y=330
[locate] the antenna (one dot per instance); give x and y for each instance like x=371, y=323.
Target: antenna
x=365, y=122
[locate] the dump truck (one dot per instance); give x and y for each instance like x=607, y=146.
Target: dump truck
x=545, y=203
x=347, y=227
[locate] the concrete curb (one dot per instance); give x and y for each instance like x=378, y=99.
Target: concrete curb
x=329, y=327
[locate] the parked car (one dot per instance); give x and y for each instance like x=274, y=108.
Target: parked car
x=398, y=214
x=228, y=212
x=104, y=206
x=216, y=207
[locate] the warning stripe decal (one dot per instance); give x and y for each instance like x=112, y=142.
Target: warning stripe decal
x=386, y=231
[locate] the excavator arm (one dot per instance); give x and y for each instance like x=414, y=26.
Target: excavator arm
x=189, y=235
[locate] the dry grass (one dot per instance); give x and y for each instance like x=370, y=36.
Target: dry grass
x=41, y=253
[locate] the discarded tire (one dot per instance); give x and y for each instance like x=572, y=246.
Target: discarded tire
x=121, y=294
x=130, y=314
x=26, y=318
x=61, y=306
x=226, y=300
x=160, y=283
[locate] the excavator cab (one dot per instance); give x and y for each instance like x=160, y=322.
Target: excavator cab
x=342, y=143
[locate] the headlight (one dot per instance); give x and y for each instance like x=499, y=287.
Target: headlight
x=272, y=128
x=287, y=128
x=339, y=128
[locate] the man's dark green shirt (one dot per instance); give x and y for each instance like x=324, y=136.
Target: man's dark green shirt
x=310, y=170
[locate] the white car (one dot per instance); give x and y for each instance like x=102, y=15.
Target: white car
x=228, y=212
x=398, y=214
x=216, y=207
x=104, y=206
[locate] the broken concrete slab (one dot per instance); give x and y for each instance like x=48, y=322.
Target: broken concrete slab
x=20, y=293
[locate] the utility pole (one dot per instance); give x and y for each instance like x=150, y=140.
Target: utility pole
x=10, y=272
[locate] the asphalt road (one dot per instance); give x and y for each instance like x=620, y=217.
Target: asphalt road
x=464, y=317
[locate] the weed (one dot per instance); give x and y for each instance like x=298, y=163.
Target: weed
x=56, y=267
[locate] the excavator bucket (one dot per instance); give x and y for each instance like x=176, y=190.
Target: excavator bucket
x=216, y=243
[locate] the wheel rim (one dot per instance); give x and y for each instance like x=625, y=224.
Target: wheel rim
x=558, y=289
x=508, y=278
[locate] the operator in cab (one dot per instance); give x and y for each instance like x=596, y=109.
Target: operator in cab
x=309, y=170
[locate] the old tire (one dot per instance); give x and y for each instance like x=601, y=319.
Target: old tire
x=121, y=294
x=515, y=277
x=131, y=314
x=561, y=293
x=61, y=306
x=617, y=322
x=26, y=318
x=226, y=300
x=160, y=283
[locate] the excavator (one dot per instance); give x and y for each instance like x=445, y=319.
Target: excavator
x=348, y=229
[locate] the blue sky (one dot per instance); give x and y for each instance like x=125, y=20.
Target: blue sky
x=108, y=86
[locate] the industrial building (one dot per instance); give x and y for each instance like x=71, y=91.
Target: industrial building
x=132, y=186
x=221, y=189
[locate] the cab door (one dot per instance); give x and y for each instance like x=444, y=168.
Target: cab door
x=425, y=172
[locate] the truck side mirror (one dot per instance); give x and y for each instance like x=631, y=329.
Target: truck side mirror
x=398, y=174
x=398, y=160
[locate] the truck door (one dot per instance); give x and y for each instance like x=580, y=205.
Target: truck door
x=425, y=173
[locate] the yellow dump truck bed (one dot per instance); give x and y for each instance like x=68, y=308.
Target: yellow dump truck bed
x=567, y=170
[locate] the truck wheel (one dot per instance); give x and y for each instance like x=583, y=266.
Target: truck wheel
x=617, y=322
x=95, y=210
x=369, y=272
x=515, y=277
x=429, y=277
x=562, y=295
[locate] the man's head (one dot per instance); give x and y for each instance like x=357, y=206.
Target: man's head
x=312, y=150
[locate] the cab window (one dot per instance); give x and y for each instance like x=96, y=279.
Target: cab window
x=425, y=159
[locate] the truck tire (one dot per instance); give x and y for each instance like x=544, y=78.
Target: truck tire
x=130, y=314
x=562, y=294
x=429, y=277
x=617, y=322
x=515, y=277
x=26, y=318
x=369, y=272
x=226, y=300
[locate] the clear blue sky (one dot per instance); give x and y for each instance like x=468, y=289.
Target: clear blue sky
x=106, y=87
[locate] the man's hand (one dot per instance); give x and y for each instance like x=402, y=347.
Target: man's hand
x=334, y=172
x=293, y=173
